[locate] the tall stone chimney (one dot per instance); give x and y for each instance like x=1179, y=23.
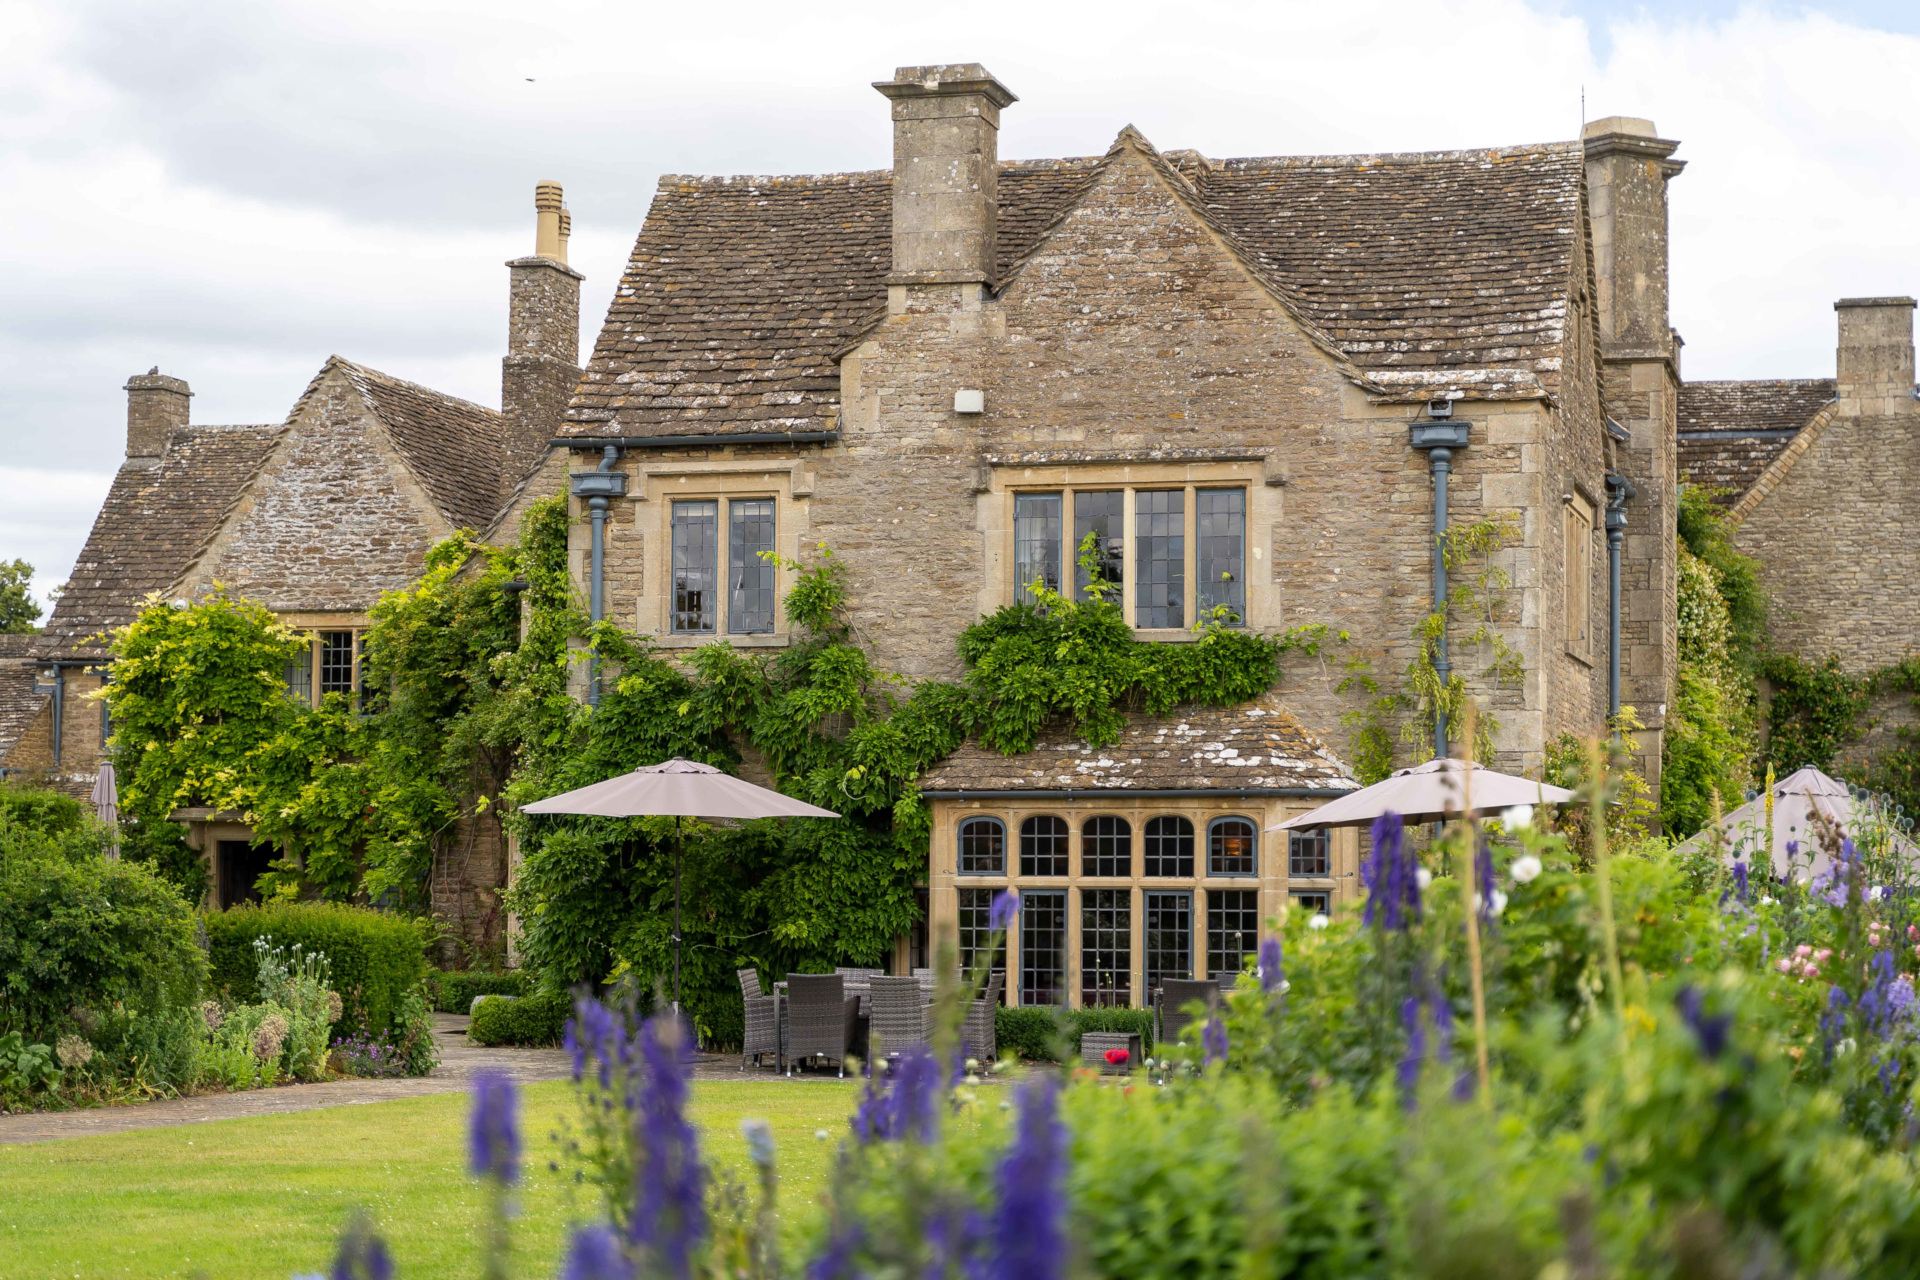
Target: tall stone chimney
x=1627, y=170
x=946, y=153
x=1874, y=364
x=541, y=368
x=156, y=407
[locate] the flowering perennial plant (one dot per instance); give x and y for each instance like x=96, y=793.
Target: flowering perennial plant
x=1391, y=876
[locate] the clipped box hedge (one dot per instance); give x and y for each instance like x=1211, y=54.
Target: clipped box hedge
x=1038, y=1035
x=375, y=957
x=537, y=1020
x=452, y=991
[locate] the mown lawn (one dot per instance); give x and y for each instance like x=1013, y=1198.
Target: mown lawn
x=264, y=1197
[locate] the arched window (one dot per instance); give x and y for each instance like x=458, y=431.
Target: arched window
x=1232, y=844
x=1106, y=847
x=1043, y=846
x=1168, y=850
x=1307, y=853
x=983, y=847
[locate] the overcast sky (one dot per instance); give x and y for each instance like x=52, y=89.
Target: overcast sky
x=235, y=189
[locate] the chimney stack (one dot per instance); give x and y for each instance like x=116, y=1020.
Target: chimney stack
x=946, y=129
x=156, y=407
x=1875, y=361
x=540, y=371
x=1627, y=172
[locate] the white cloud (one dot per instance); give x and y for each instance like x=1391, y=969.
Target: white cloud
x=235, y=189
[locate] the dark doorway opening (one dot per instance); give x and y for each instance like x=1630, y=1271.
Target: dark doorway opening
x=237, y=864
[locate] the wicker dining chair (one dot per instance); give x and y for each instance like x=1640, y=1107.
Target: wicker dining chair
x=820, y=1018
x=898, y=1017
x=977, y=1034
x=762, y=1034
x=1170, y=1006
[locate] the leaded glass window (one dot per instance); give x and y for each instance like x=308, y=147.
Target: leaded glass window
x=1106, y=847
x=1043, y=846
x=1233, y=928
x=1307, y=853
x=1317, y=901
x=983, y=847
x=749, y=536
x=336, y=662
x=1106, y=947
x=1169, y=937
x=976, y=913
x=1036, y=543
x=1101, y=513
x=1160, y=558
x=1043, y=947
x=1221, y=552
x=1231, y=846
x=696, y=565
x=1167, y=849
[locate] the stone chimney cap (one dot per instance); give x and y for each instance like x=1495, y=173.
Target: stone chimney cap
x=154, y=380
x=944, y=80
x=1631, y=125
x=1845, y=303
x=547, y=195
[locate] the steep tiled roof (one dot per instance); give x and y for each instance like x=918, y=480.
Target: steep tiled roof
x=1256, y=746
x=1729, y=432
x=154, y=519
x=455, y=447
x=19, y=704
x=1448, y=268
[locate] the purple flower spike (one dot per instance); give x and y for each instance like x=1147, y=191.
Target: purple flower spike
x=1006, y=905
x=1710, y=1029
x=1740, y=881
x=907, y=1105
x=594, y=1254
x=363, y=1254
x=1272, y=978
x=493, y=1132
x=1483, y=879
x=669, y=1213
x=1416, y=1049
x=1213, y=1039
x=1030, y=1214
x=1391, y=876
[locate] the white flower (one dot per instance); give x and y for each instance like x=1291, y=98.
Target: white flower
x=819, y=1135
x=1876, y=893
x=1765, y=901
x=1285, y=986
x=1499, y=902
x=1319, y=921
x=1516, y=817
x=1423, y=878
x=1524, y=869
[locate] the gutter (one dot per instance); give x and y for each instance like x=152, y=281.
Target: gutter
x=597, y=486
x=709, y=439
x=1070, y=795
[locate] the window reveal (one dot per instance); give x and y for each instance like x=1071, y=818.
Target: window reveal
x=1043, y=846
x=1221, y=553
x=1233, y=929
x=1232, y=844
x=1106, y=847
x=1036, y=543
x=1106, y=947
x=983, y=847
x=696, y=567
x=1160, y=558
x=1043, y=947
x=1169, y=937
x=750, y=565
x=1168, y=848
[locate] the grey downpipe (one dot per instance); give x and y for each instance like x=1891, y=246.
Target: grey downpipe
x=1619, y=490
x=1439, y=436
x=597, y=580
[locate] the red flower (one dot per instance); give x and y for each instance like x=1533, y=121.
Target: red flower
x=1117, y=1056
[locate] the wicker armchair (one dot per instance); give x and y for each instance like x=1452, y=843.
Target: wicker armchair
x=1170, y=1002
x=820, y=1018
x=977, y=1034
x=762, y=1020
x=899, y=1016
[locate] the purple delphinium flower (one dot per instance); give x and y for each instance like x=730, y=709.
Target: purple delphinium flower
x=1900, y=999
x=1030, y=1210
x=1876, y=1002
x=594, y=1254
x=1213, y=1040
x=362, y=1255
x=1393, y=889
x=1834, y=1020
x=1416, y=1049
x=1272, y=976
x=1709, y=1029
x=669, y=1212
x=493, y=1130
x=835, y=1259
x=1740, y=882
x=1483, y=878
x=1006, y=905
x=907, y=1105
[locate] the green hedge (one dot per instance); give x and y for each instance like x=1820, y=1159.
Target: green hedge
x=537, y=1020
x=452, y=991
x=376, y=957
x=1038, y=1035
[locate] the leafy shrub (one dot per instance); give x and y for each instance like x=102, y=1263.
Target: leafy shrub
x=1137, y=1021
x=531, y=1020
x=39, y=809
x=376, y=958
x=1041, y=1035
x=453, y=991
x=78, y=931
x=25, y=1067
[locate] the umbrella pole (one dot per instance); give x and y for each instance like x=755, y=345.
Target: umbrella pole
x=677, y=842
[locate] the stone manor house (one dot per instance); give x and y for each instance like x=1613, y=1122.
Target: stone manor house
x=1247, y=380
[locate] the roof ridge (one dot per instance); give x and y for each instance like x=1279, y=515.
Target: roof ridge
x=356, y=369
x=1755, y=382
x=1564, y=148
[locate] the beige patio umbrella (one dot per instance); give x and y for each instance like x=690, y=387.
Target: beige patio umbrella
x=679, y=789
x=106, y=806
x=1796, y=798
x=1428, y=792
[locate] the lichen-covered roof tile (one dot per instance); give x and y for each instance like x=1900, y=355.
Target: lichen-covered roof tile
x=1730, y=432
